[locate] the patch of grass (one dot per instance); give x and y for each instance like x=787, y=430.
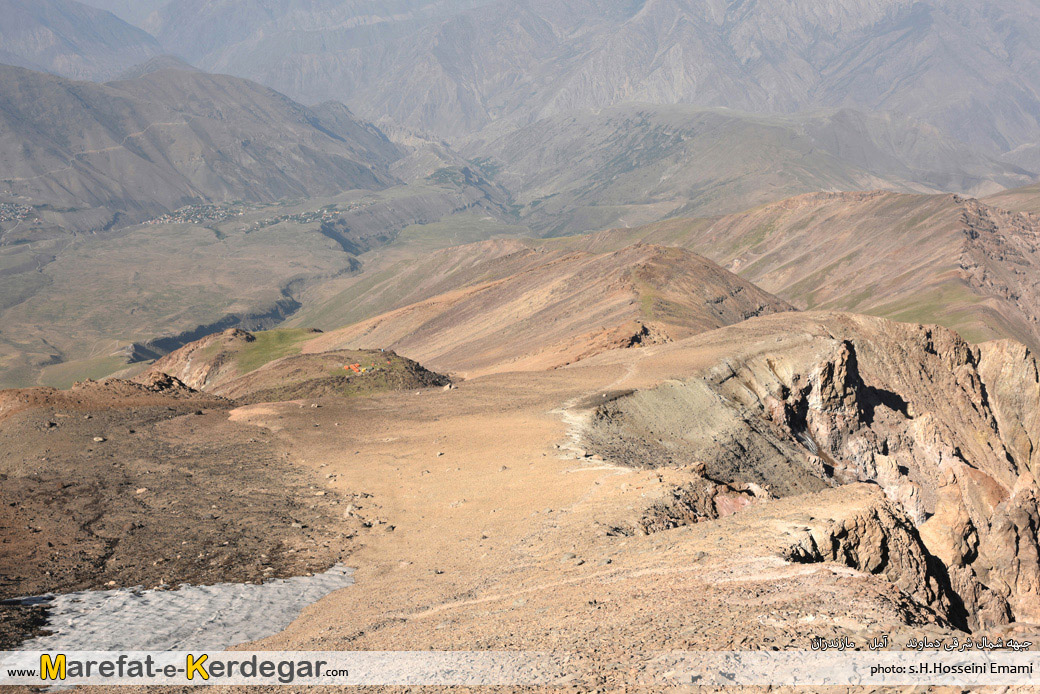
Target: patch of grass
x=65, y=374
x=753, y=239
x=938, y=305
x=648, y=300
x=343, y=308
x=448, y=176
x=806, y=289
x=851, y=303
x=271, y=345
x=457, y=230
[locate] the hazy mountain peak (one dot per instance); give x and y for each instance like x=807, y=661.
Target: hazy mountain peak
x=70, y=39
x=133, y=149
x=161, y=62
x=452, y=68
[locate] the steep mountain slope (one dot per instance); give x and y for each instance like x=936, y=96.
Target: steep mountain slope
x=160, y=62
x=634, y=164
x=800, y=403
x=70, y=39
x=550, y=309
x=131, y=150
x=454, y=68
x=135, y=12
x=917, y=513
x=936, y=258
x=1025, y=199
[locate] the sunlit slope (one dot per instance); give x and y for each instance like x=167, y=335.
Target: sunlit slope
x=939, y=258
x=535, y=309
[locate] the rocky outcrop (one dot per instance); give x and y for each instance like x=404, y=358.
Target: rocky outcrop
x=999, y=258
x=686, y=497
x=206, y=362
x=262, y=318
x=947, y=430
x=882, y=540
x=1012, y=377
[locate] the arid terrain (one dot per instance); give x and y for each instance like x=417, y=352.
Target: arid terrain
x=853, y=477
x=812, y=474
x=611, y=330
x=604, y=445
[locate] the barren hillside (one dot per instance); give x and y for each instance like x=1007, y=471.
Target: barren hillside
x=551, y=309
x=71, y=39
x=95, y=156
x=966, y=264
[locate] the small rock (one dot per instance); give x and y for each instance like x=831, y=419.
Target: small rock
x=99, y=439
x=142, y=490
x=569, y=556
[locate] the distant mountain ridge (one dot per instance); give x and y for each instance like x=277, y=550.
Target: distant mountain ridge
x=132, y=149
x=631, y=164
x=69, y=38
x=453, y=68
x=135, y=12
x=967, y=264
x=518, y=308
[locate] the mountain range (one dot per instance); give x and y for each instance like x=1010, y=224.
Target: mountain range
x=968, y=264
x=134, y=12
x=71, y=39
x=524, y=308
x=613, y=329
x=636, y=163
x=133, y=149
x=451, y=68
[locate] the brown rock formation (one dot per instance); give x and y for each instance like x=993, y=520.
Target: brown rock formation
x=947, y=430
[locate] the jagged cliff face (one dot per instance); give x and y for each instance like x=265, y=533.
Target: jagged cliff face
x=948, y=431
